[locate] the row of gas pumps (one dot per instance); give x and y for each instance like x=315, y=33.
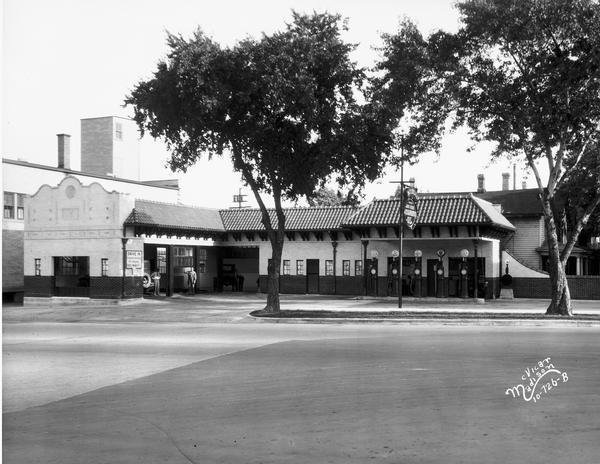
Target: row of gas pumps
x=414, y=282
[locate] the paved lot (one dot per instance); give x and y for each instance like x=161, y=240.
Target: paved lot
x=172, y=382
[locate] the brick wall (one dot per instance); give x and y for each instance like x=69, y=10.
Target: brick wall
x=41, y=286
x=110, y=287
x=12, y=260
x=581, y=287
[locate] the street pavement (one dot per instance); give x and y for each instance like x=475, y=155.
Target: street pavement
x=198, y=380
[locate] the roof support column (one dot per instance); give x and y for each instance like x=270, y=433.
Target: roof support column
x=334, y=244
x=365, y=243
x=170, y=270
x=476, y=253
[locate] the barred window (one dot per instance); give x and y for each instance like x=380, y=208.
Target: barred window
x=346, y=267
x=202, y=258
x=358, y=267
x=20, y=207
x=328, y=267
x=183, y=256
x=9, y=205
x=104, y=267
x=300, y=267
x=286, y=267
x=38, y=266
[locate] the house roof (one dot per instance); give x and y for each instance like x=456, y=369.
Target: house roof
x=436, y=209
x=167, y=215
x=522, y=202
x=297, y=219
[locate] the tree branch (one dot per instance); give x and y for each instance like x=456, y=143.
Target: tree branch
x=564, y=256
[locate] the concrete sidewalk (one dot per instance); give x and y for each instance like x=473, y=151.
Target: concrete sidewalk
x=236, y=307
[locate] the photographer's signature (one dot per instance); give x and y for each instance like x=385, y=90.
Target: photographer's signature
x=537, y=381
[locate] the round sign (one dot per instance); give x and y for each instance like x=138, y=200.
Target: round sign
x=394, y=271
x=464, y=253
x=463, y=271
x=395, y=254
x=417, y=271
x=441, y=252
x=373, y=271
x=418, y=253
x=440, y=272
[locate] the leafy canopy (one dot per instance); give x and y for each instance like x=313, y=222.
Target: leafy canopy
x=285, y=107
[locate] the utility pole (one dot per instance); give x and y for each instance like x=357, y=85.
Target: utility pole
x=239, y=199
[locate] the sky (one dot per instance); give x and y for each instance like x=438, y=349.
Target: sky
x=64, y=60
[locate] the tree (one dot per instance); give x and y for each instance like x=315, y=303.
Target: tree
x=524, y=74
x=328, y=197
x=283, y=107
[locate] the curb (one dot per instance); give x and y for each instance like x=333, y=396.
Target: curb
x=430, y=321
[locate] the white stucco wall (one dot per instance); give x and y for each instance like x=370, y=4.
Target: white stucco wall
x=77, y=220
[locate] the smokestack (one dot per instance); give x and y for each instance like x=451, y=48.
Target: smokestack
x=524, y=184
x=505, y=180
x=480, y=183
x=64, y=151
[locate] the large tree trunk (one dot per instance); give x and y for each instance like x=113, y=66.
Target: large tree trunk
x=561, y=297
x=273, y=305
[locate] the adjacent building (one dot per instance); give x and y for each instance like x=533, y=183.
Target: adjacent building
x=108, y=139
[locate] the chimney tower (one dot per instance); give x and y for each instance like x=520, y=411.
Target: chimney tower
x=505, y=180
x=480, y=183
x=64, y=151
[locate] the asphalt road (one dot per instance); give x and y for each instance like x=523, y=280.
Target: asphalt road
x=242, y=392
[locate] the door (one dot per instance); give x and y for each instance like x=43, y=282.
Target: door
x=312, y=276
x=431, y=276
x=72, y=276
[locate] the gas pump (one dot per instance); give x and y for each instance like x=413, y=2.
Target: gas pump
x=439, y=271
x=418, y=275
x=464, y=278
x=393, y=277
x=373, y=277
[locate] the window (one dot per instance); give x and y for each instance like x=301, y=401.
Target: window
x=346, y=267
x=119, y=131
x=328, y=267
x=38, y=266
x=286, y=267
x=9, y=205
x=300, y=267
x=201, y=261
x=104, y=267
x=183, y=256
x=20, y=207
x=161, y=258
x=358, y=267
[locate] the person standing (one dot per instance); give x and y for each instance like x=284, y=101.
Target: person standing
x=192, y=276
x=156, y=279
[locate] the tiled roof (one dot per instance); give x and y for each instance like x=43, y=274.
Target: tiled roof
x=155, y=214
x=297, y=219
x=432, y=210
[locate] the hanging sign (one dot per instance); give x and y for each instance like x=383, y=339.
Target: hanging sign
x=410, y=207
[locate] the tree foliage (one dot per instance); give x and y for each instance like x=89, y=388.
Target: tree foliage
x=285, y=107
x=524, y=74
x=327, y=197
